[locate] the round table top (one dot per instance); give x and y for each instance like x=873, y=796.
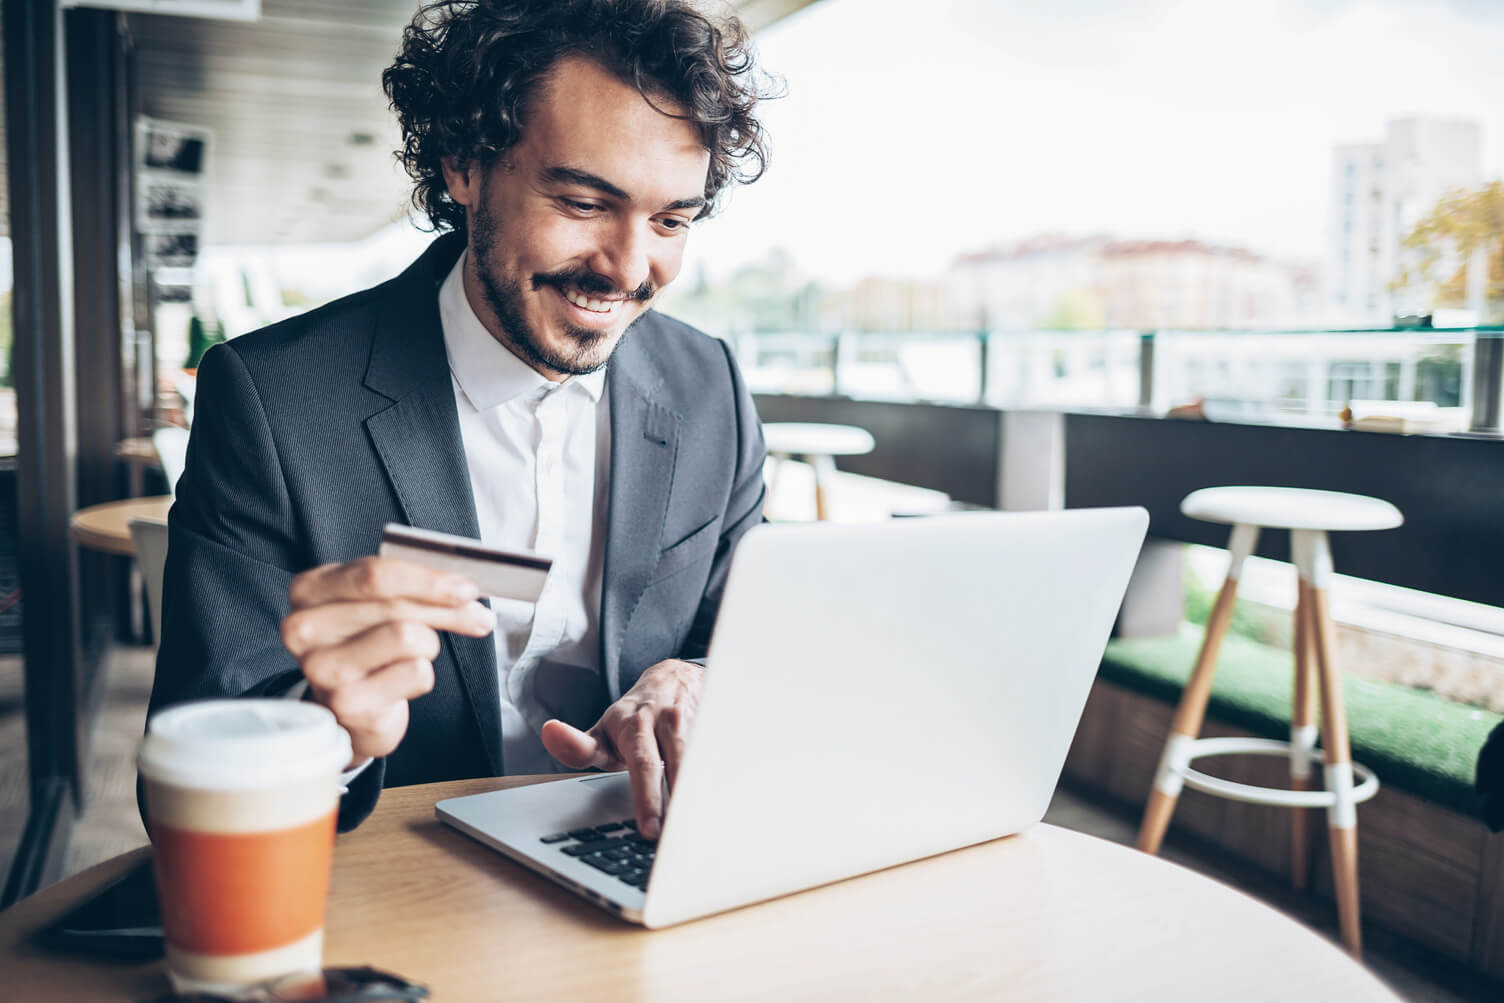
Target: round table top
x=1291, y=508
x=1046, y=915
x=107, y=526
x=802, y=438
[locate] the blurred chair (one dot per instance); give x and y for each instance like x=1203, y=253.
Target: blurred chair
x=819, y=444
x=186, y=385
x=172, y=449
x=150, y=538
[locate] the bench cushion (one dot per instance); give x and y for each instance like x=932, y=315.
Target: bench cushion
x=1413, y=739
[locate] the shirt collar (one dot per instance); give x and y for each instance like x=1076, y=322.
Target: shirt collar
x=486, y=370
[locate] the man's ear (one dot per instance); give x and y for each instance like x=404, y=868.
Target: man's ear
x=463, y=180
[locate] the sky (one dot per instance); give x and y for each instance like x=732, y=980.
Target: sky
x=916, y=129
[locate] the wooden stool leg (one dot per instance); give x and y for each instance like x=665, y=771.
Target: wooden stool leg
x=1169, y=778
x=1342, y=817
x=774, y=476
x=1302, y=736
x=825, y=472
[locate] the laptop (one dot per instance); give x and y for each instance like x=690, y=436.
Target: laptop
x=874, y=694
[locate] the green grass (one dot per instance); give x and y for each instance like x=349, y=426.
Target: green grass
x=1249, y=619
x=1414, y=740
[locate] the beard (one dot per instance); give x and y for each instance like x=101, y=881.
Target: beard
x=587, y=349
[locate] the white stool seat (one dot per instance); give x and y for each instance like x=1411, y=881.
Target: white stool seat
x=1291, y=508
x=800, y=438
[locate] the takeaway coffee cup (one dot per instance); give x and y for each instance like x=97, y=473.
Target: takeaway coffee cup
x=241, y=796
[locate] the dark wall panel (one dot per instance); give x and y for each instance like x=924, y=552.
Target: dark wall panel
x=1450, y=488
x=98, y=161
x=950, y=449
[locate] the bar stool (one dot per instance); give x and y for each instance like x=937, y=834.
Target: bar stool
x=820, y=444
x=1309, y=516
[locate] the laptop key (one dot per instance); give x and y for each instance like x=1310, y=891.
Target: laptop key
x=618, y=852
x=610, y=827
x=580, y=849
x=557, y=837
x=589, y=832
x=606, y=864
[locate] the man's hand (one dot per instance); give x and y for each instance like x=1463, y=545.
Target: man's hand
x=644, y=732
x=365, y=636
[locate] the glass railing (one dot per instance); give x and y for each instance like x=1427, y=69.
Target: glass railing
x=1435, y=380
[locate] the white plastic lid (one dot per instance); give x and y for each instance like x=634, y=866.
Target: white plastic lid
x=242, y=744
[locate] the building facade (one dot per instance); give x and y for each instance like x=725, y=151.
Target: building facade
x=1379, y=191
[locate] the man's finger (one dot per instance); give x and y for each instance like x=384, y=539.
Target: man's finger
x=670, y=732
x=380, y=578
x=576, y=749
x=639, y=747
x=340, y=665
x=308, y=629
x=362, y=707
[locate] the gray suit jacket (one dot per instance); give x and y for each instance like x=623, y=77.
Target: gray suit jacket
x=312, y=434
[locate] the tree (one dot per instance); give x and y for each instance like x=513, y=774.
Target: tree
x=1462, y=223
x=1075, y=310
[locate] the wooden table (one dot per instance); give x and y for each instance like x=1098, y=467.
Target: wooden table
x=107, y=527
x=1047, y=915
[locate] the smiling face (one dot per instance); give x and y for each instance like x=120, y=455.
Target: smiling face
x=575, y=229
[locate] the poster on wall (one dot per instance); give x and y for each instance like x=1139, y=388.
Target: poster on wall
x=168, y=206
x=172, y=163
x=170, y=146
x=171, y=250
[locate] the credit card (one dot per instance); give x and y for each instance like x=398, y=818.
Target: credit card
x=506, y=574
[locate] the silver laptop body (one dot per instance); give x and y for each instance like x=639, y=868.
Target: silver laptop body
x=874, y=694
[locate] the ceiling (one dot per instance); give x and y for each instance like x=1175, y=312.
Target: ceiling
x=302, y=137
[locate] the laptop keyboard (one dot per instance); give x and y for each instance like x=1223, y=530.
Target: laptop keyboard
x=615, y=848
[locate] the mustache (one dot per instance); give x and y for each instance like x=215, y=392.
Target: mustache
x=592, y=284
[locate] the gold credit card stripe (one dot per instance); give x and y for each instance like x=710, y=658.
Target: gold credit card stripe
x=460, y=547
x=498, y=573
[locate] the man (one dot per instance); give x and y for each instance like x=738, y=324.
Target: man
x=511, y=385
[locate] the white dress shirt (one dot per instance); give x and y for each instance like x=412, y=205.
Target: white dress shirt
x=539, y=458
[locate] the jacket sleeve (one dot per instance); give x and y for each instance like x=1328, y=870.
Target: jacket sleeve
x=743, y=511
x=233, y=548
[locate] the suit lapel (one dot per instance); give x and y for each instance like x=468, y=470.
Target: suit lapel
x=644, y=445
x=418, y=439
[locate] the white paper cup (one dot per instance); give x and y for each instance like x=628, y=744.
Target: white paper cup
x=242, y=797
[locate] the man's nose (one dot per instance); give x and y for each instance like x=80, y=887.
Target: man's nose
x=624, y=258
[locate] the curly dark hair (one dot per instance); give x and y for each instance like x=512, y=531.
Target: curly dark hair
x=460, y=84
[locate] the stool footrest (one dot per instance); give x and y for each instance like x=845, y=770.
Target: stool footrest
x=1205, y=747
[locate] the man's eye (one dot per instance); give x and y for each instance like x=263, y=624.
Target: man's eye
x=674, y=223
x=584, y=207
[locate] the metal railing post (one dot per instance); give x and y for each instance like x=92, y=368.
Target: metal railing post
x=1488, y=382
x=1146, y=369
x=835, y=364
x=984, y=361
